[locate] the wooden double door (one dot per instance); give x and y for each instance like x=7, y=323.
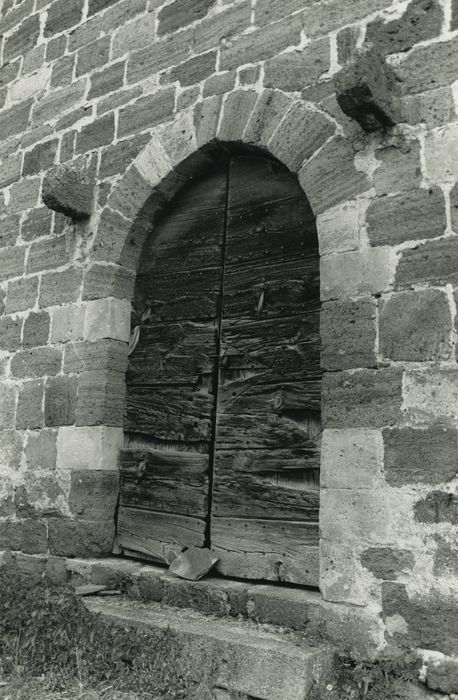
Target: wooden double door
x=223, y=385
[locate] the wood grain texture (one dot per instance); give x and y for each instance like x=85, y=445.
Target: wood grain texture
x=242, y=332
x=165, y=480
x=159, y=535
x=174, y=354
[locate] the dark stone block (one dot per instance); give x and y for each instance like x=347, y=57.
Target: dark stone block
x=408, y=216
x=9, y=230
x=101, y=354
x=10, y=333
x=433, y=262
x=62, y=15
x=437, y=507
x=445, y=559
x=432, y=620
x=21, y=294
x=12, y=262
x=10, y=536
x=61, y=287
x=348, y=332
x=60, y=400
x=295, y=70
x=48, y=254
x=99, y=5
x=15, y=120
x=181, y=13
x=102, y=281
x=428, y=67
x=69, y=189
x=80, y=538
x=101, y=397
x=146, y=112
x=93, y=56
x=37, y=224
x=116, y=158
x=99, y=133
x=416, y=326
x=40, y=158
x=418, y=456
x=41, y=450
x=387, y=563
x=366, y=91
x=195, y=70
x=29, y=414
x=23, y=39
x=34, y=537
x=346, y=43
x=366, y=398
x=36, y=362
x=62, y=71
x=94, y=494
x=422, y=20
x=107, y=80
x=36, y=330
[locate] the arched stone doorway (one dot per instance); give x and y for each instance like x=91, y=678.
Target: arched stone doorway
x=223, y=386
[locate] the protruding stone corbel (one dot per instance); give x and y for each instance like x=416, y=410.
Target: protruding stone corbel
x=69, y=189
x=366, y=90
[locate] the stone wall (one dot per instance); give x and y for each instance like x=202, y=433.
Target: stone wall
x=127, y=91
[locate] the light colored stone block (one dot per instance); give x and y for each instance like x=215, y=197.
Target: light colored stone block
x=352, y=458
x=339, y=228
x=430, y=395
x=67, y=323
x=342, y=578
x=30, y=85
x=107, y=318
x=153, y=163
x=441, y=154
x=88, y=447
x=179, y=138
x=353, y=517
x=368, y=271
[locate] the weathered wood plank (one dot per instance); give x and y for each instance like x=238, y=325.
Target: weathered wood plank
x=268, y=216
x=273, y=289
x=249, y=396
x=159, y=535
x=280, y=349
x=178, y=295
x=275, y=550
x=189, y=233
x=165, y=480
x=175, y=354
x=263, y=495
x=261, y=432
x=167, y=413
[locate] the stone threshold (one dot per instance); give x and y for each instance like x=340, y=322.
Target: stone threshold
x=260, y=662
x=281, y=605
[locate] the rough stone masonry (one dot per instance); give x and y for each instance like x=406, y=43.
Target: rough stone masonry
x=122, y=92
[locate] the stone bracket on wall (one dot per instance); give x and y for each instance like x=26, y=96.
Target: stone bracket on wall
x=69, y=189
x=366, y=90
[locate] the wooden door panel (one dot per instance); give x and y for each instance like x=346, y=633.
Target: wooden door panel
x=278, y=550
x=174, y=354
x=191, y=295
x=165, y=480
x=265, y=497
x=275, y=289
x=170, y=405
x=161, y=536
x=263, y=432
x=175, y=414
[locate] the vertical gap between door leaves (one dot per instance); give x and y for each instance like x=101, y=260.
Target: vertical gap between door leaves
x=217, y=367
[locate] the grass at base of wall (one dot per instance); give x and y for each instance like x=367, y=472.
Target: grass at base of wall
x=53, y=648
x=47, y=633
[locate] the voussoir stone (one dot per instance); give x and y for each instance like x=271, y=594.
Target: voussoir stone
x=69, y=189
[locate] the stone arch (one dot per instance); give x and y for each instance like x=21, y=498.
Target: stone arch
x=295, y=132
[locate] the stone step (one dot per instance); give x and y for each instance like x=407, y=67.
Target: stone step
x=255, y=660
x=285, y=606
